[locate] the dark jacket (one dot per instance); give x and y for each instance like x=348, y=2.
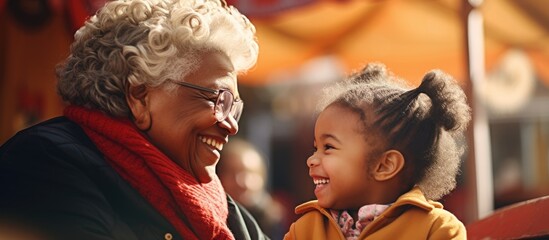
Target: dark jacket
x=54, y=179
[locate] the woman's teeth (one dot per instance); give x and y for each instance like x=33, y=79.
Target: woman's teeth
x=321, y=181
x=212, y=142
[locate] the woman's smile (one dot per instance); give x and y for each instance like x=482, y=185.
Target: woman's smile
x=212, y=142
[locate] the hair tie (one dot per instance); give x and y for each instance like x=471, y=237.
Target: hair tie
x=427, y=79
x=409, y=95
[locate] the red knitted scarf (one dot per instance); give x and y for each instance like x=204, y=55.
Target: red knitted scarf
x=196, y=210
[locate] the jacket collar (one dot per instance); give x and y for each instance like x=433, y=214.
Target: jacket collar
x=413, y=198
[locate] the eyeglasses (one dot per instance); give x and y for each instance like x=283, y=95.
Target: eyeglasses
x=225, y=103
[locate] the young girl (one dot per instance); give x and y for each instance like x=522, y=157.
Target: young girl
x=383, y=154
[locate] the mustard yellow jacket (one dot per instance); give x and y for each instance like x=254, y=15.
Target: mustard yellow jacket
x=410, y=217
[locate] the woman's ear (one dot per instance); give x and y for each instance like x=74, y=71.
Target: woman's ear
x=138, y=101
x=389, y=165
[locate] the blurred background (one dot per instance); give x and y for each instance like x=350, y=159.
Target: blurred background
x=497, y=49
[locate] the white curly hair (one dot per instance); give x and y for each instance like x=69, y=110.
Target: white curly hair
x=146, y=43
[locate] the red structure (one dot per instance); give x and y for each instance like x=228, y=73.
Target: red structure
x=524, y=220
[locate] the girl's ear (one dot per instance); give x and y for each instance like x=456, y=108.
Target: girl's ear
x=389, y=165
x=138, y=101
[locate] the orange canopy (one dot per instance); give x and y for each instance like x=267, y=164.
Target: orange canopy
x=410, y=37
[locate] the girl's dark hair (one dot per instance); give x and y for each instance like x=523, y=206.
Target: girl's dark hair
x=423, y=123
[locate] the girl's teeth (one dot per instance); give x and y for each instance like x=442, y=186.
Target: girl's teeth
x=321, y=181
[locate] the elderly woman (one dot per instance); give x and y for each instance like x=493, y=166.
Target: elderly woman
x=152, y=93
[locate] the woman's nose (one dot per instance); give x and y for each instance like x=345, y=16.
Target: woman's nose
x=230, y=124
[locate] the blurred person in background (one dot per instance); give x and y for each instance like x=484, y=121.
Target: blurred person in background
x=152, y=94
x=243, y=173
